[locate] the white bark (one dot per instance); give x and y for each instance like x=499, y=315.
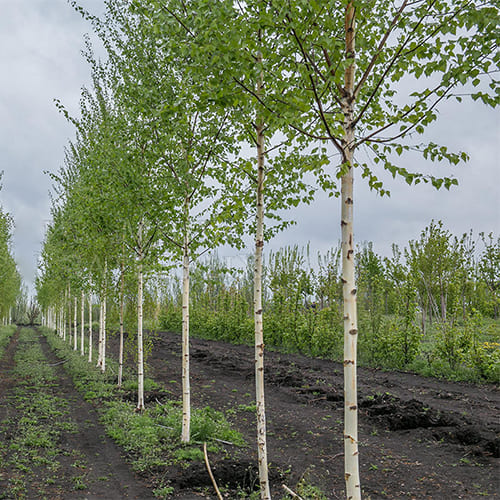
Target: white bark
x=265, y=493
x=103, y=354
x=351, y=454
x=90, y=328
x=75, y=326
x=122, y=299
x=69, y=315
x=99, y=344
x=82, y=327
x=140, y=349
x=186, y=389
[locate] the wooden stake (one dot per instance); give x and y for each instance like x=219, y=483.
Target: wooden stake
x=219, y=496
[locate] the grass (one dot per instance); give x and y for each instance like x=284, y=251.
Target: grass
x=6, y=333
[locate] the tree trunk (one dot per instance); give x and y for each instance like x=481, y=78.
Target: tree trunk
x=351, y=458
x=62, y=332
x=122, y=299
x=265, y=493
x=140, y=349
x=82, y=328
x=99, y=347
x=186, y=389
x=104, y=318
x=90, y=328
x=75, y=327
x=69, y=315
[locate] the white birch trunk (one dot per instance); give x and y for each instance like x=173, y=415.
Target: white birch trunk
x=99, y=345
x=122, y=300
x=351, y=454
x=103, y=354
x=60, y=323
x=82, y=327
x=140, y=349
x=186, y=389
x=69, y=314
x=90, y=328
x=75, y=326
x=265, y=492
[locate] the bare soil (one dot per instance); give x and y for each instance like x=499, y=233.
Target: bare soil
x=420, y=438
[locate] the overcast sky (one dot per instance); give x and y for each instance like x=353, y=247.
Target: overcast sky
x=40, y=59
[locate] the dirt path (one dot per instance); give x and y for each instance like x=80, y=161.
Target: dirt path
x=419, y=437
x=85, y=464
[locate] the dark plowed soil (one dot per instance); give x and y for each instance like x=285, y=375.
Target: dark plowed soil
x=419, y=437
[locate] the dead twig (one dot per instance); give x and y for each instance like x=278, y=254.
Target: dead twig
x=58, y=363
x=219, y=496
x=332, y=457
x=290, y=492
x=223, y=442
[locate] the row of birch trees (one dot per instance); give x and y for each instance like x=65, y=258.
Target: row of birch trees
x=207, y=119
x=10, y=279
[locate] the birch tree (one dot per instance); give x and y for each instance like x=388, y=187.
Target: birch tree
x=186, y=141
x=411, y=57
x=235, y=60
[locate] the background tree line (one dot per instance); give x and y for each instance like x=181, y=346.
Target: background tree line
x=433, y=306
x=10, y=279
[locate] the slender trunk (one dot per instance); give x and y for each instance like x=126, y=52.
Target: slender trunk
x=82, y=328
x=351, y=457
x=69, y=314
x=103, y=354
x=75, y=329
x=90, y=328
x=265, y=493
x=424, y=309
x=186, y=389
x=140, y=350
x=99, y=345
x=63, y=318
x=122, y=299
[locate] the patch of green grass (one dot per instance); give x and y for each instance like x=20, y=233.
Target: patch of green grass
x=163, y=492
x=6, y=333
x=153, y=436
x=149, y=385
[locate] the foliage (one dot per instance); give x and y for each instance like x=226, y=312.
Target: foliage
x=303, y=306
x=10, y=279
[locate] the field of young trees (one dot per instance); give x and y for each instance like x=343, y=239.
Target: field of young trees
x=206, y=125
